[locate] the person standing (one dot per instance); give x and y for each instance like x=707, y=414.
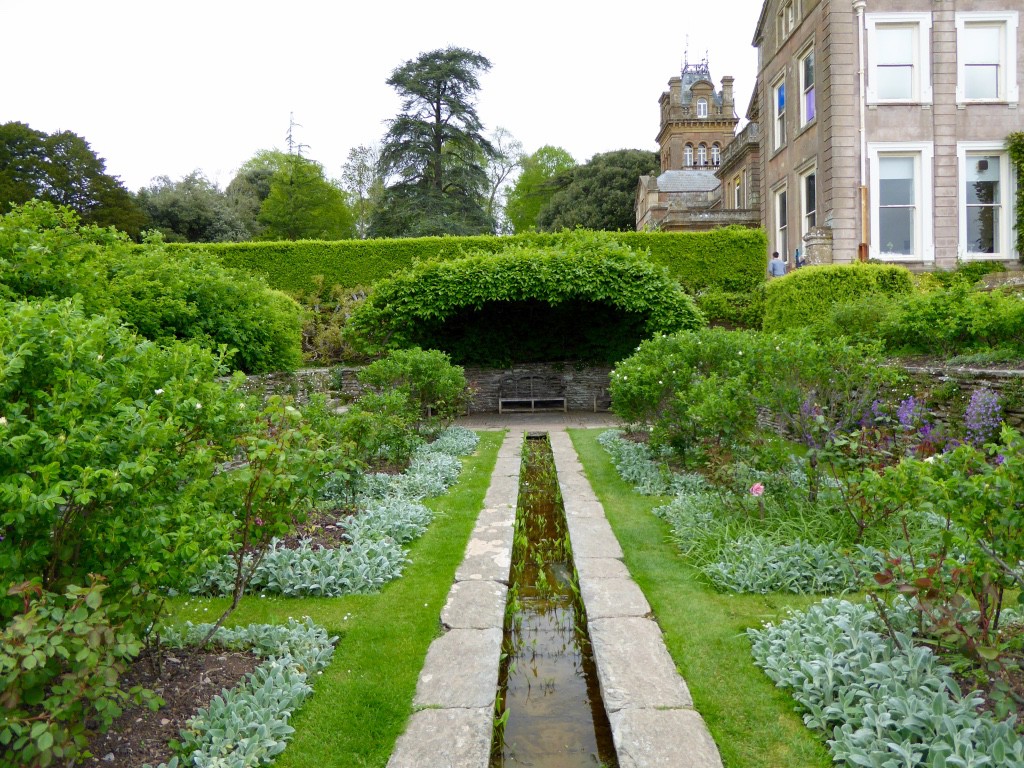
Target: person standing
x=776, y=267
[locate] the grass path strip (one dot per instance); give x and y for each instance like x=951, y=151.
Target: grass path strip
x=753, y=723
x=362, y=700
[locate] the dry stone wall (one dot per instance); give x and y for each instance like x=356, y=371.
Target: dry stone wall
x=585, y=388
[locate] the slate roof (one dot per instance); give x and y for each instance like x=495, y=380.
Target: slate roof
x=687, y=181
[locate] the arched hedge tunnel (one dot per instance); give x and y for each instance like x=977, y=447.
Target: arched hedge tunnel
x=586, y=300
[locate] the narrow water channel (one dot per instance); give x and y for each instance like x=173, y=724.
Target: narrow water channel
x=551, y=714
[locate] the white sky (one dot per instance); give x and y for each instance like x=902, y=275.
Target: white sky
x=163, y=88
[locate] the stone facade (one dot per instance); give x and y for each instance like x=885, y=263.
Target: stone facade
x=884, y=122
x=696, y=139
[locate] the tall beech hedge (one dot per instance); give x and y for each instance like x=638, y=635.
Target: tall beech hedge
x=804, y=296
x=585, y=268
x=730, y=259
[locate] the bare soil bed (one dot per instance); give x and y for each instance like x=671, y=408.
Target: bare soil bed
x=185, y=681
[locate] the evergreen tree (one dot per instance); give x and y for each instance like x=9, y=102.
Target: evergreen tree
x=434, y=152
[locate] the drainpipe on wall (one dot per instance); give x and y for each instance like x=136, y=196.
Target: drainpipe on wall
x=862, y=248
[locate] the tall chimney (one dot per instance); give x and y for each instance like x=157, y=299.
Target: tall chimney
x=727, y=99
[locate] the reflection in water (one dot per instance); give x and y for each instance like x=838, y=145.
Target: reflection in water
x=552, y=715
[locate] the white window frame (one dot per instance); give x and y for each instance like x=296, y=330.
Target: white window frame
x=924, y=223
x=801, y=59
x=789, y=18
x=810, y=171
x=781, y=222
x=716, y=154
x=702, y=154
x=702, y=107
x=688, y=155
x=1009, y=91
x=921, y=80
x=737, y=192
x=1008, y=195
x=779, y=117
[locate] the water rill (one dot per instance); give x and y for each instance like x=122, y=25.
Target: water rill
x=550, y=712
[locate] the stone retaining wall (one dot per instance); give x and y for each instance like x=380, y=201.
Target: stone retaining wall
x=585, y=388
x=1006, y=382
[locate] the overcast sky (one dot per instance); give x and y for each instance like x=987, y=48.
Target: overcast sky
x=164, y=88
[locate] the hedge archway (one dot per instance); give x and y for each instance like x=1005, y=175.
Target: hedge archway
x=588, y=297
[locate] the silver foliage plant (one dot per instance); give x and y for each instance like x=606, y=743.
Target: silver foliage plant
x=391, y=516
x=881, y=701
x=248, y=725
x=735, y=558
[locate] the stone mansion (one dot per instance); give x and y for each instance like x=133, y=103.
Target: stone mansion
x=877, y=129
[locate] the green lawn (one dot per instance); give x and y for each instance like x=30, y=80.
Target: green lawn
x=753, y=723
x=363, y=699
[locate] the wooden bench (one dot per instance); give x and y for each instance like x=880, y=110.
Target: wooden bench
x=530, y=393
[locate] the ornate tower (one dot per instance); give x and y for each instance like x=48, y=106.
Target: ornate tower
x=697, y=122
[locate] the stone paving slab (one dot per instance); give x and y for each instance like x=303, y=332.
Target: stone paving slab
x=663, y=738
x=486, y=560
x=613, y=598
x=592, y=538
x=600, y=568
x=475, y=605
x=592, y=509
x=634, y=667
x=452, y=738
x=461, y=670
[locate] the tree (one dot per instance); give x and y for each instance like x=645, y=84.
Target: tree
x=508, y=157
x=361, y=178
x=304, y=205
x=288, y=197
x=435, y=150
x=63, y=169
x=251, y=186
x=599, y=194
x=535, y=186
x=192, y=210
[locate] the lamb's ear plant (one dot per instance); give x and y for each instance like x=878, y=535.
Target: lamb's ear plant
x=880, y=701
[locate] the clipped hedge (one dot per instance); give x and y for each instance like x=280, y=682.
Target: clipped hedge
x=804, y=296
x=732, y=258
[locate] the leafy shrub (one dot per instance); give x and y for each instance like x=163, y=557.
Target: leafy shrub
x=108, y=450
x=60, y=661
x=248, y=725
x=45, y=253
x=975, y=495
x=860, y=320
x=879, y=701
x=427, y=305
x=732, y=309
x=958, y=319
x=390, y=515
x=433, y=385
x=970, y=272
x=691, y=387
x=380, y=426
x=802, y=297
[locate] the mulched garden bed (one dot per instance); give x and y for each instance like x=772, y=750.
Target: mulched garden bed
x=188, y=680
